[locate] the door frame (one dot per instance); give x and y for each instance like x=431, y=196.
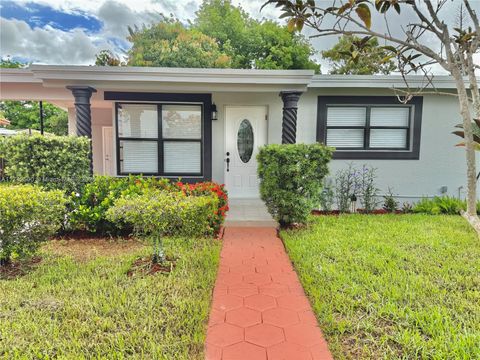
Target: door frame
x=112, y=149
x=225, y=135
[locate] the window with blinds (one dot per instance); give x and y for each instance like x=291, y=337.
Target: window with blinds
x=368, y=127
x=159, y=139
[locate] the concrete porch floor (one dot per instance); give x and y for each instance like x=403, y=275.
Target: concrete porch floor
x=248, y=212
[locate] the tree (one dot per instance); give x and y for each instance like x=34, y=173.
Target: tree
x=26, y=114
x=107, y=58
x=426, y=39
x=356, y=56
x=252, y=43
x=170, y=44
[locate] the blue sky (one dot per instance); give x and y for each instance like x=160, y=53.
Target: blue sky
x=73, y=31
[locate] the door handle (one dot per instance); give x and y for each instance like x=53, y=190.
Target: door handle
x=228, y=161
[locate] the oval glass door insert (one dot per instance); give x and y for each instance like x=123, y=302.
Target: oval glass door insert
x=245, y=141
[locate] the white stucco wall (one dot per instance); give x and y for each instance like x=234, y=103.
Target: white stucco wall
x=440, y=164
x=100, y=117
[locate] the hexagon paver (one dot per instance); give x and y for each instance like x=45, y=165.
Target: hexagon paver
x=259, y=308
x=243, y=317
x=260, y=302
x=274, y=289
x=303, y=334
x=244, y=350
x=227, y=302
x=258, y=279
x=224, y=334
x=288, y=351
x=280, y=317
x=293, y=302
x=264, y=335
x=244, y=291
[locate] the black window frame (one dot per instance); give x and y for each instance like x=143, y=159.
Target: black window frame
x=410, y=152
x=161, y=99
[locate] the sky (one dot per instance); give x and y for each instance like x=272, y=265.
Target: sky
x=73, y=31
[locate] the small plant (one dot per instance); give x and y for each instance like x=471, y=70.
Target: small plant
x=390, y=204
x=368, y=191
x=440, y=205
x=28, y=216
x=327, y=196
x=291, y=179
x=407, y=208
x=346, y=185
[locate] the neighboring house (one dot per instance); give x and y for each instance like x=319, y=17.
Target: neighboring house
x=202, y=124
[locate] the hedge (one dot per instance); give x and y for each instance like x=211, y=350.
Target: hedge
x=55, y=162
x=291, y=177
x=28, y=216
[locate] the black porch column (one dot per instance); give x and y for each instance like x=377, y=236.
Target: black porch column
x=289, y=119
x=82, y=95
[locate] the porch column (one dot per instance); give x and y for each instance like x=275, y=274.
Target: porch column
x=82, y=95
x=289, y=118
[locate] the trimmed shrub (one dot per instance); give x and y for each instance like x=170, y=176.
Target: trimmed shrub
x=88, y=208
x=55, y=162
x=205, y=189
x=160, y=213
x=291, y=178
x=28, y=216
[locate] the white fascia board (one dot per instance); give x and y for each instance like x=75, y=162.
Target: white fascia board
x=17, y=76
x=175, y=75
x=381, y=81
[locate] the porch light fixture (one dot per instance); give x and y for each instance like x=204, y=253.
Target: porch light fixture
x=214, y=112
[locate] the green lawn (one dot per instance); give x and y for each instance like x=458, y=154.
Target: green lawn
x=392, y=286
x=76, y=308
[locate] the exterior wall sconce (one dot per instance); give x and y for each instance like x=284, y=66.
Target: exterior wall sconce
x=214, y=112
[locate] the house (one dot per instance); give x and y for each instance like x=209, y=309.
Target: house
x=202, y=124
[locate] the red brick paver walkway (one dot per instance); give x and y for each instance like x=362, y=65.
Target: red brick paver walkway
x=259, y=309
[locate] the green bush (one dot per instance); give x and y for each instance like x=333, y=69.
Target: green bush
x=440, y=205
x=55, y=162
x=291, y=178
x=28, y=216
x=160, y=213
x=88, y=207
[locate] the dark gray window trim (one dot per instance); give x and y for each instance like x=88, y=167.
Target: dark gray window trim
x=413, y=153
x=205, y=100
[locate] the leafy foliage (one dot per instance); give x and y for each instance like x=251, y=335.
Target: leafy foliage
x=160, y=213
x=170, y=44
x=26, y=115
x=55, y=162
x=89, y=206
x=107, y=58
x=28, y=216
x=291, y=179
x=390, y=204
x=252, y=43
x=359, y=56
x=476, y=133
x=440, y=205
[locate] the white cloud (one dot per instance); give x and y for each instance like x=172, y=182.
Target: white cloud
x=47, y=45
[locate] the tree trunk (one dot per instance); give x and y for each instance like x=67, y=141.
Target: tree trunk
x=469, y=144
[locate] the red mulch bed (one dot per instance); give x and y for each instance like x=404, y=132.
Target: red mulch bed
x=359, y=211
x=17, y=269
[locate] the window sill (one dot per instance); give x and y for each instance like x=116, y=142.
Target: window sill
x=375, y=155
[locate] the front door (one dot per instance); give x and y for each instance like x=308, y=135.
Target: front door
x=107, y=135
x=245, y=132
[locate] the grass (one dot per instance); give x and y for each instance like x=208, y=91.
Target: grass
x=77, y=307
x=390, y=286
